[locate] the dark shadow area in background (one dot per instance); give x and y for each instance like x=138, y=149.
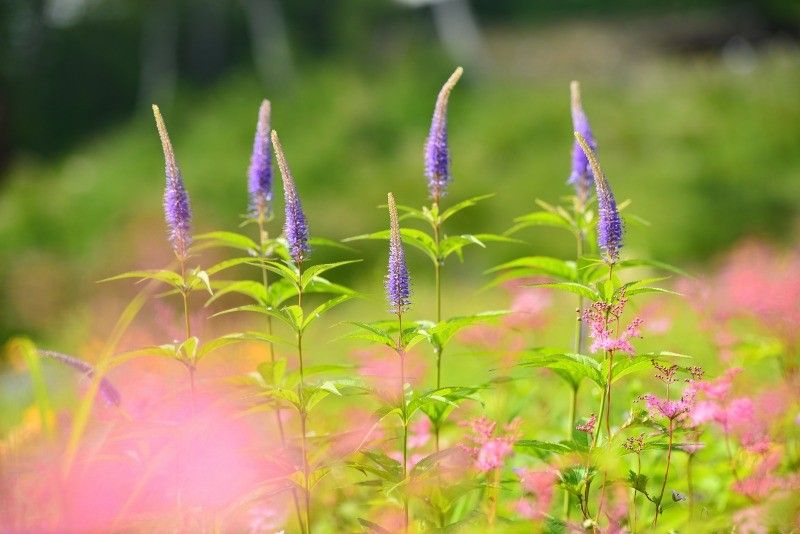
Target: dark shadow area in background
x=69, y=68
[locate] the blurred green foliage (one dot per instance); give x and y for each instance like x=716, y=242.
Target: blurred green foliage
x=706, y=154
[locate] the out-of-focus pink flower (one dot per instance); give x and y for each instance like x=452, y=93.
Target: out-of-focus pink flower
x=655, y=316
x=380, y=367
x=750, y=521
x=528, y=306
x=739, y=416
x=763, y=480
x=758, y=282
x=361, y=430
x=538, y=484
x=420, y=433
x=489, y=450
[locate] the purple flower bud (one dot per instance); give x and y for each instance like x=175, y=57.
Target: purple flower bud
x=107, y=389
x=259, y=174
x=581, y=177
x=295, y=228
x=398, y=282
x=437, y=153
x=177, y=211
x=609, y=223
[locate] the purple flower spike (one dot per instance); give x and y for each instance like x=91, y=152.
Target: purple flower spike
x=609, y=223
x=177, y=211
x=259, y=174
x=398, y=281
x=295, y=228
x=437, y=153
x=581, y=177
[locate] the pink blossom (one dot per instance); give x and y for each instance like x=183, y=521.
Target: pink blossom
x=671, y=409
x=527, y=307
x=538, y=484
x=487, y=449
x=380, y=367
x=762, y=481
x=588, y=426
x=420, y=433
x=601, y=318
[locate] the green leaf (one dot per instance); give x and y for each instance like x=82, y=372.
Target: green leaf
x=572, y=367
x=240, y=337
x=294, y=316
x=371, y=333
x=373, y=527
x=638, y=482
x=201, y=276
x=575, y=288
x=410, y=236
x=640, y=362
x=163, y=275
x=444, y=331
x=228, y=239
x=288, y=272
x=227, y=264
x=323, y=242
x=289, y=320
x=272, y=373
x=316, y=270
x=455, y=243
x=649, y=289
x=546, y=448
x=250, y=288
x=541, y=218
x=322, y=308
x=452, y=210
x=443, y=399
x=627, y=264
x=565, y=270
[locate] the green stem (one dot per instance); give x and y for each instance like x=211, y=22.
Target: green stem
x=303, y=413
x=635, y=491
x=666, y=474
x=262, y=234
x=437, y=271
x=187, y=324
x=494, y=488
x=404, y=410
x=690, y=485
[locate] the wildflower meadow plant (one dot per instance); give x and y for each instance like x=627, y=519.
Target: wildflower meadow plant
x=278, y=430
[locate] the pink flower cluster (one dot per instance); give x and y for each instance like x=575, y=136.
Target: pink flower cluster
x=488, y=450
x=735, y=416
x=755, y=281
x=671, y=409
x=764, y=480
x=539, y=485
x=602, y=318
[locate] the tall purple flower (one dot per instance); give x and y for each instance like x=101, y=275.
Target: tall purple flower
x=581, y=177
x=259, y=174
x=177, y=211
x=398, y=281
x=437, y=153
x=295, y=228
x=609, y=223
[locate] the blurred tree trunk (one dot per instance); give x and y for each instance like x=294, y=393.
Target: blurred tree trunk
x=460, y=34
x=269, y=41
x=159, y=53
